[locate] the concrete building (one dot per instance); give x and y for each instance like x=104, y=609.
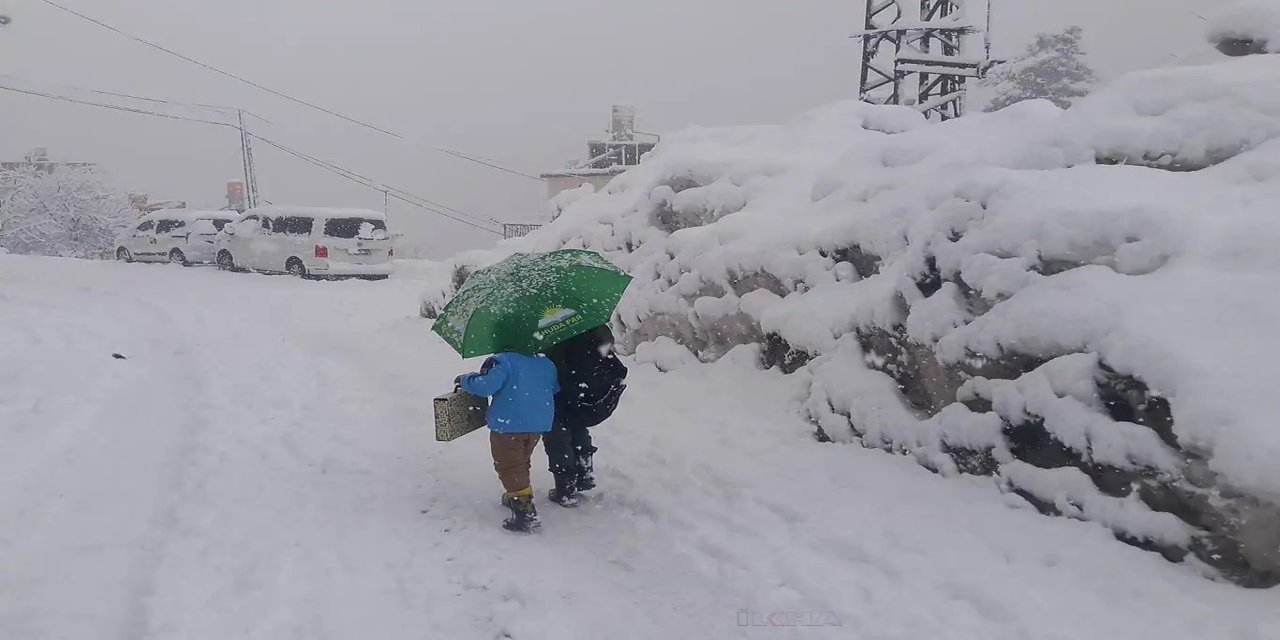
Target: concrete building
x=37, y=161
x=606, y=159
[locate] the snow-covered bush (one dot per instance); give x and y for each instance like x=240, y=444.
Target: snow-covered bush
x=995, y=295
x=1052, y=69
x=70, y=213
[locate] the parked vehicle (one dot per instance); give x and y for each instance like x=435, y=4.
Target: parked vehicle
x=179, y=236
x=308, y=242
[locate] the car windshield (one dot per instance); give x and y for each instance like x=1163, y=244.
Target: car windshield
x=355, y=228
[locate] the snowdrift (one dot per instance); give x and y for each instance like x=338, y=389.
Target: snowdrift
x=1078, y=303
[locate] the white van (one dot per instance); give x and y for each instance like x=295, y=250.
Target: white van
x=308, y=242
x=180, y=236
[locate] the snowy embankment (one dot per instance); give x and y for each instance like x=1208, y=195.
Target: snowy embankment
x=261, y=467
x=1078, y=303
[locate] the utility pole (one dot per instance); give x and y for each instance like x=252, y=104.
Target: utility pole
x=386, y=202
x=246, y=157
x=986, y=37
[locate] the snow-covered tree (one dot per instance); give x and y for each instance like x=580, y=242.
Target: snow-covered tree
x=70, y=212
x=1052, y=69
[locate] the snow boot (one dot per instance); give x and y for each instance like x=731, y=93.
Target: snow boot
x=524, y=516
x=586, y=473
x=566, y=492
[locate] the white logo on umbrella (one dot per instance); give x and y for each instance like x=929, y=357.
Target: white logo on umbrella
x=555, y=315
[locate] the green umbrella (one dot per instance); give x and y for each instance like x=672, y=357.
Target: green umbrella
x=530, y=302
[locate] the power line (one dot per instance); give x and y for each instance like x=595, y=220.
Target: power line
x=468, y=158
x=192, y=105
x=214, y=69
x=399, y=194
x=444, y=206
x=260, y=87
x=116, y=107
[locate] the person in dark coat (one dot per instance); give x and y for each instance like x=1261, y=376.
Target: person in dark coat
x=592, y=380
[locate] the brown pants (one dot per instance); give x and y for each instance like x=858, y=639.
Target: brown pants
x=512, y=453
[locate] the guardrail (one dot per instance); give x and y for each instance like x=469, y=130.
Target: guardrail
x=510, y=231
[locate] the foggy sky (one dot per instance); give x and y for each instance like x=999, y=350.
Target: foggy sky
x=526, y=82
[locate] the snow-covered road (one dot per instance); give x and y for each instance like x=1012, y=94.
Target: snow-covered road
x=261, y=467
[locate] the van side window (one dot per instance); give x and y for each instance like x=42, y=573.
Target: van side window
x=168, y=226
x=147, y=226
x=354, y=227
x=294, y=226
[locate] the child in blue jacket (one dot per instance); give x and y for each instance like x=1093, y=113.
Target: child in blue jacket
x=522, y=408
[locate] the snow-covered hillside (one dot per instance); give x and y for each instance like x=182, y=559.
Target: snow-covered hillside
x=261, y=467
x=1078, y=303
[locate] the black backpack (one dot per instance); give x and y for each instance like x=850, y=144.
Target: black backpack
x=592, y=378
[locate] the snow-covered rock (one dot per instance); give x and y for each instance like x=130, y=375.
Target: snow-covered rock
x=1184, y=118
x=1076, y=302
x=1247, y=27
x=664, y=354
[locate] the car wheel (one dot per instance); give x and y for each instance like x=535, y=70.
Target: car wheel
x=177, y=257
x=294, y=267
x=123, y=254
x=225, y=261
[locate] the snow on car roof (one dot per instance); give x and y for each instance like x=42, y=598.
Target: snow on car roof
x=190, y=215
x=317, y=212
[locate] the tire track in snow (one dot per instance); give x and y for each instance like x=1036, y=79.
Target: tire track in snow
x=190, y=375
x=234, y=569
x=102, y=480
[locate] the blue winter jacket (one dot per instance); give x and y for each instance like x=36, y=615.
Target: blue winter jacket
x=523, y=389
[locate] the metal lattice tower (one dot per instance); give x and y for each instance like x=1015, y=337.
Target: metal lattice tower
x=918, y=59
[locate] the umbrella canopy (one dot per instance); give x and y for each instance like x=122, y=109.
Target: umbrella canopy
x=530, y=302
